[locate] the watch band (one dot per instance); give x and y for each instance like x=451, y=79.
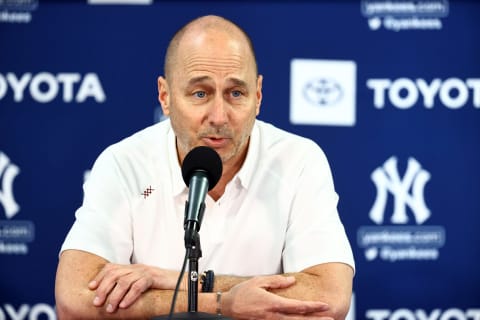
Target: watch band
x=207, y=280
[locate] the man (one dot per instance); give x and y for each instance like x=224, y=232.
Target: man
x=271, y=231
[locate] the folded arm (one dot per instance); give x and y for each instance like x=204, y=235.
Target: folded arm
x=87, y=286
x=77, y=297
x=330, y=283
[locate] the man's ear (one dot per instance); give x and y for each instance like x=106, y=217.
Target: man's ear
x=259, y=93
x=163, y=95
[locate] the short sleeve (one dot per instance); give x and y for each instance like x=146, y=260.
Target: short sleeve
x=103, y=222
x=315, y=233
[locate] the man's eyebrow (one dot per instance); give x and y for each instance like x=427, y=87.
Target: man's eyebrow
x=238, y=82
x=197, y=80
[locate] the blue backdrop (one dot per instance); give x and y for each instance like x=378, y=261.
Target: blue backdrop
x=389, y=89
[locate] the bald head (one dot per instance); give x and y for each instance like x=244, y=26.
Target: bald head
x=200, y=26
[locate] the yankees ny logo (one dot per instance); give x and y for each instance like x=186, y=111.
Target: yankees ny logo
x=8, y=172
x=386, y=179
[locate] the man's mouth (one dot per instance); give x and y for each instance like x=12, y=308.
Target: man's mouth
x=215, y=141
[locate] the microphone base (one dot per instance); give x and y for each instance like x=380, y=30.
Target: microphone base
x=192, y=316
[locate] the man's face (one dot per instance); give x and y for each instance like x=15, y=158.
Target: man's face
x=213, y=95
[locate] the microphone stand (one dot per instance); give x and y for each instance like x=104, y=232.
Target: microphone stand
x=194, y=252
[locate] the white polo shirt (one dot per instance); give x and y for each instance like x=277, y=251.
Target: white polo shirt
x=278, y=214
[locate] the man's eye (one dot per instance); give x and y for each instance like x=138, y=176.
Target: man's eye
x=200, y=94
x=236, y=93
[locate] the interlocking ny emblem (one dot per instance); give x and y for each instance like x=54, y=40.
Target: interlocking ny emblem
x=147, y=192
x=386, y=178
x=8, y=172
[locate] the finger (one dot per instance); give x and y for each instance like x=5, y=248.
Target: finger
x=308, y=316
x=286, y=316
x=135, y=291
x=107, y=269
x=92, y=285
x=102, y=292
x=129, y=286
x=121, y=288
x=109, y=278
x=293, y=306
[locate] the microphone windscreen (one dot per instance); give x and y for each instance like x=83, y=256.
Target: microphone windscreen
x=202, y=159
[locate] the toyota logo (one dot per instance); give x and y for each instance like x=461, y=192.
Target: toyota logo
x=323, y=92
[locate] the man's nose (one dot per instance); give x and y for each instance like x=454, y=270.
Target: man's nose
x=218, y=111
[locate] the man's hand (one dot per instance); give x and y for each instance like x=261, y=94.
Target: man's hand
x=264, y=297
x=119, y=286
x=252, y=300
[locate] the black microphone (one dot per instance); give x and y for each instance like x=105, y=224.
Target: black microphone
x=201, y=170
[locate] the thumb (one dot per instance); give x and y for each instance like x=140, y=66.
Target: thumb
x=278, y=282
